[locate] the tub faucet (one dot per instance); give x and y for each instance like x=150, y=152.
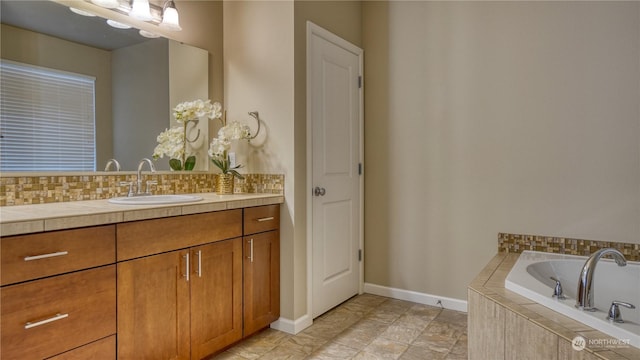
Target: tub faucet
x=139, y=179
x=584, y=297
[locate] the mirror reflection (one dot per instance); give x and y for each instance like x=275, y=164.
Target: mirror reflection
x=137, y=80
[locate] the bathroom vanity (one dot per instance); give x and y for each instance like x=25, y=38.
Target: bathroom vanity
x=173, y=281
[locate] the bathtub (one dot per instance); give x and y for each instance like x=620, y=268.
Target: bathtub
x=530, y=277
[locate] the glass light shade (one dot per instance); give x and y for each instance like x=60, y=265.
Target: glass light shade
x=81, y=12
x=170, y=19
x=109, y=4
x=148, y=34
x=118, y=25
x=140, y=10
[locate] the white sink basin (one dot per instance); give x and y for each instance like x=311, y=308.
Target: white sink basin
x=155, y=199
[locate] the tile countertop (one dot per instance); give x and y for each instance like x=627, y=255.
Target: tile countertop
x=23, y=219
x=490, y=284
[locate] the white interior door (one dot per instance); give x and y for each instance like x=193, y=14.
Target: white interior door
x=334, y=77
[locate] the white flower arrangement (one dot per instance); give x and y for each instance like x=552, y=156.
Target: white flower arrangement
x=170, y=143
x=220, y=146
x=194, y=110
x=173, y=142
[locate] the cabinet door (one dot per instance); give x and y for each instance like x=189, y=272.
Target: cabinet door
x=216, y=293
x=153, y=307
x=261, y=280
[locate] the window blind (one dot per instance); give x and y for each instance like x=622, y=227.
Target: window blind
x=47, y=119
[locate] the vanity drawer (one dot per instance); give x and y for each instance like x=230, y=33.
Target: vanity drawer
x=27, y=257
x=261, y=218
x=46, y=317
x=101, y=349
x=148, y=237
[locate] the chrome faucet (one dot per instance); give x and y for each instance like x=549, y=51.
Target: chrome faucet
x=584, y=297
x=113, y=162
x=139, y=179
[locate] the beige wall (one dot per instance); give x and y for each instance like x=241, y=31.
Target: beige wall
x=37, y=49
x=265, y=70
x=140, y=84
x=201, y=22
x=496, y=117
x=258, y=74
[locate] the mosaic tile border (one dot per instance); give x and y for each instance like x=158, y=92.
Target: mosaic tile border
x=517, y=243
x=25, y=190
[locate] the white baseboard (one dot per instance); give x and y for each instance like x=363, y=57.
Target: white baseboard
x=295, y=326
x=421, y=298
x=292, y=326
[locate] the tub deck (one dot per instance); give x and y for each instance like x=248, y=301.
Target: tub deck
x=490, y=284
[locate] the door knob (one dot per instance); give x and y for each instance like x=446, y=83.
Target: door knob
x=318, y=191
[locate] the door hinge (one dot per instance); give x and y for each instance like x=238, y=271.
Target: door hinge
x=359, y=82
x=359, y=168
x=359, y=254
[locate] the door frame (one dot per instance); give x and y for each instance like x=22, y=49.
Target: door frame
x=313, y=29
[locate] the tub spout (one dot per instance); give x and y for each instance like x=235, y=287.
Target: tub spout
x=584, y=297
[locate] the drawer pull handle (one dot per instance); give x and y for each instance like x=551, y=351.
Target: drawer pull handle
x=45, y=256
x=266, y=219
x=58, y=316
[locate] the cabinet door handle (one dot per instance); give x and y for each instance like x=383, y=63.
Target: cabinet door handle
x=187, y=267
x=57, y=317
x=250, y=257
x=199, y=270
x=266, y=219
x=45, y=256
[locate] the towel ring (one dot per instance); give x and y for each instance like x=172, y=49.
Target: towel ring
x=255, y=115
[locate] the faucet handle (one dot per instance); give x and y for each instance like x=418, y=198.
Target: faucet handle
x=614, y=311
x=557, y=291
x=130, y=185
x=149, y=183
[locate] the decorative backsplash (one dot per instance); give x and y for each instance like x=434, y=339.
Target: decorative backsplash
x=515, y=243
x=23, y=190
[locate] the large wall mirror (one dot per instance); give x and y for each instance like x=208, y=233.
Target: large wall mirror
x=138, y=80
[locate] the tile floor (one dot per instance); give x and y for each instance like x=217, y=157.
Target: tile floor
x=365, y=327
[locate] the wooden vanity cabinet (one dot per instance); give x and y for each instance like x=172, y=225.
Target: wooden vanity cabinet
x=261, y=267
x=58, y=294
x=184, y=287
x=185, y=303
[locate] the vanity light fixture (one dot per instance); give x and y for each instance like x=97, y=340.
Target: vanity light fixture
x=170, y=16
x=166, y=16
x=140, y=10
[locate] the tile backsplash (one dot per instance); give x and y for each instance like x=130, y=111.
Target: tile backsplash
x=516, y=243
x=24, y=190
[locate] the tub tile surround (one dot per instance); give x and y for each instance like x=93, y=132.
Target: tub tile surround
x=501, y=319
x=517, y=243
x=25, y=189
